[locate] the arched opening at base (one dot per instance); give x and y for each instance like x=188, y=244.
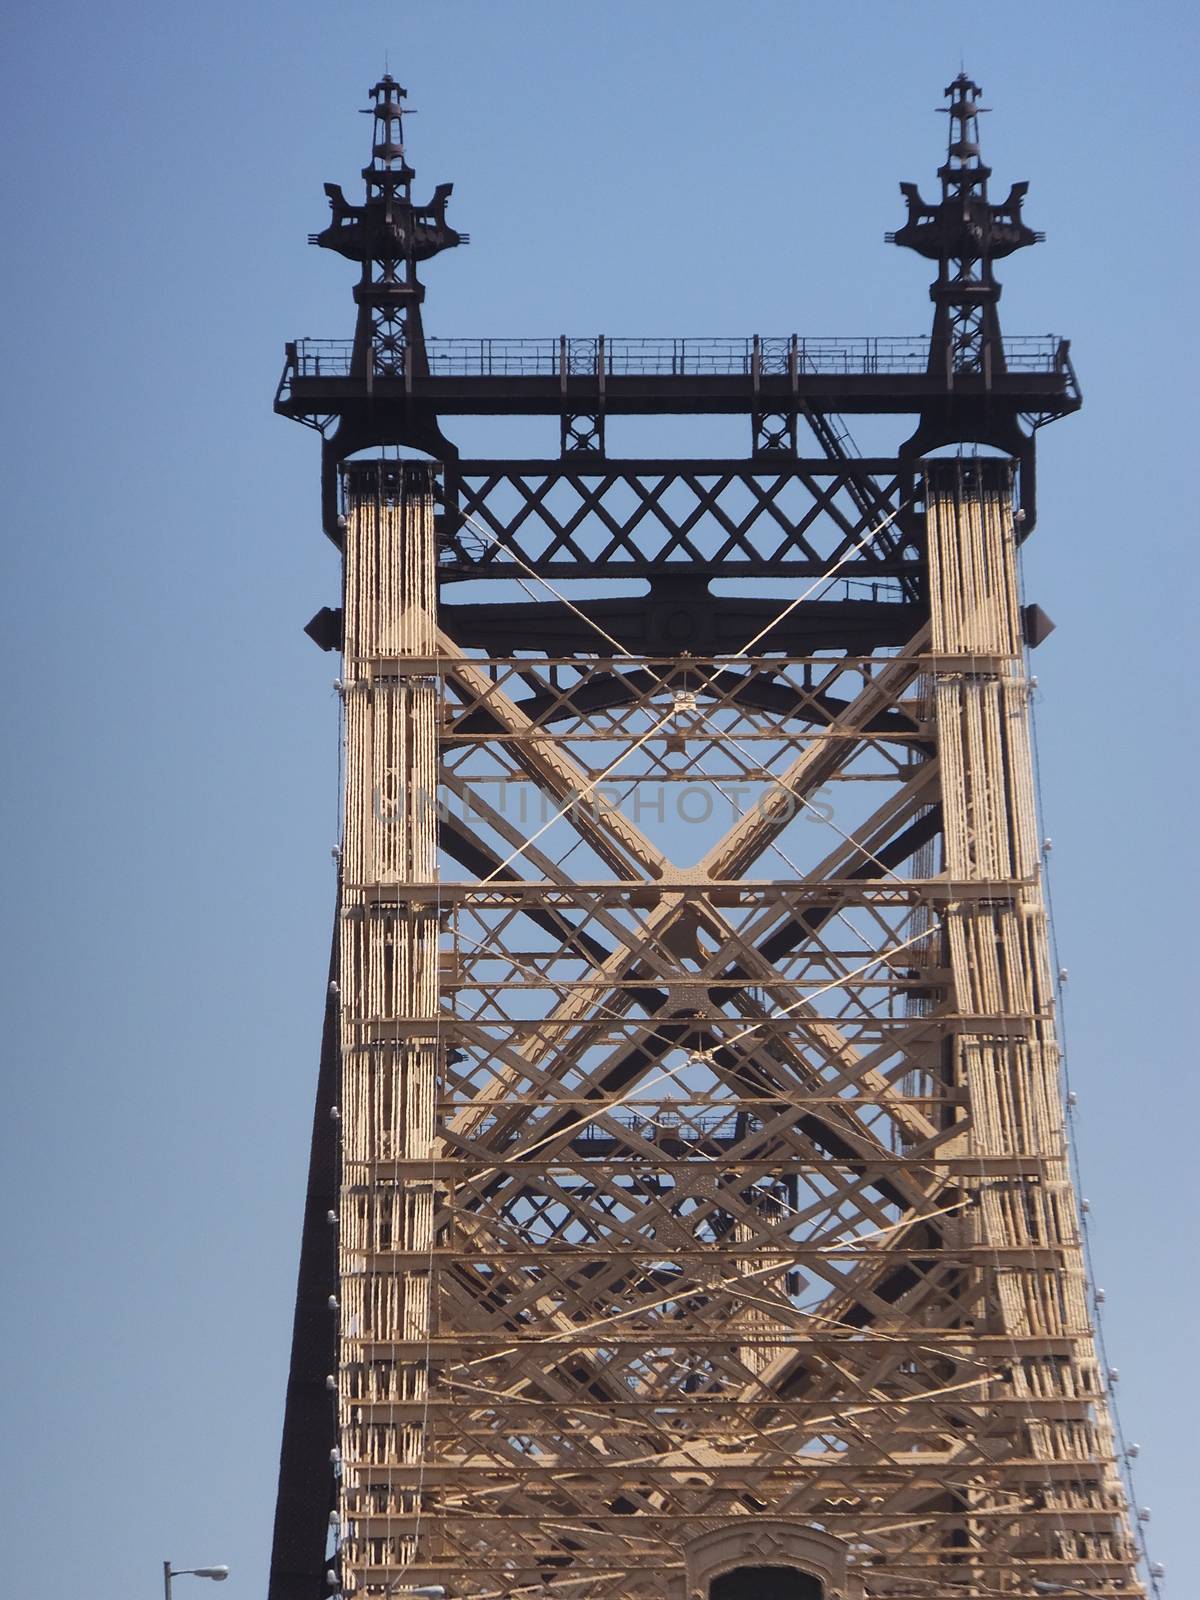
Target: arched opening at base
x=766, y=1583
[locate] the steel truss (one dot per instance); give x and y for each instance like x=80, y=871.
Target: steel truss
x=689, y=1184
x=671, y=1190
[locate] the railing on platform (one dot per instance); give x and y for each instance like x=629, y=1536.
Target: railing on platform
x=562, y=357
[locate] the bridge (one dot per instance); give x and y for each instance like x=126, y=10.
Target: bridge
x=690, y=1214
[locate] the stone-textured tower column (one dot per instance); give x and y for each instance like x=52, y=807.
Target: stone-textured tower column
x=389, y=1003
x=1004, y=1056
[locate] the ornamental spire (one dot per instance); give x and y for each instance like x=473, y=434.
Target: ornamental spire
x=965, y=233
x=388, y=235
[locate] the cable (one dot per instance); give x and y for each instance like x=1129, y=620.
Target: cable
x=1124, y=1459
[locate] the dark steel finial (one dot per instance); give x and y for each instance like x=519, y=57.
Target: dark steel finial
x=965, y=233
x=964, y=111
x=387, y=108
x=388, y=235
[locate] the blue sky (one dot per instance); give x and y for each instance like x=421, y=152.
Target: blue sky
x=171, y=735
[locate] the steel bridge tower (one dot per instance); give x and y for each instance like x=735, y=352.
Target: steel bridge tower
x=689, y=1213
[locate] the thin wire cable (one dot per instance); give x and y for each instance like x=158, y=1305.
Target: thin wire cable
x=925, y=933
x=1124, y=1459
x=776, y=1015
x=746, y=1031
x=788, y=788
x=871, y=534
x=839, y=1243
x=826, y=578
x=577, y=797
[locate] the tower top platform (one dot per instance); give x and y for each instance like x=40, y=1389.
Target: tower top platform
x=631, y=376
x=964, y=384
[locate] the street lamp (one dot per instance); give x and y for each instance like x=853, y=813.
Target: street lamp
x=218, y=1574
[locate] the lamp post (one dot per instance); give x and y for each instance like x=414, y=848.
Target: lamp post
x=218, y=1574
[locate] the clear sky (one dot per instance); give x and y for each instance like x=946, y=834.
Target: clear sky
x=666, y=167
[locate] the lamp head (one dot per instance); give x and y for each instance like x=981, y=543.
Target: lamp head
x=217, y=1573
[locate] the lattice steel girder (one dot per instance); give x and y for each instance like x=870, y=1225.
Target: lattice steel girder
x=671, y=1193
x=629, y=518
